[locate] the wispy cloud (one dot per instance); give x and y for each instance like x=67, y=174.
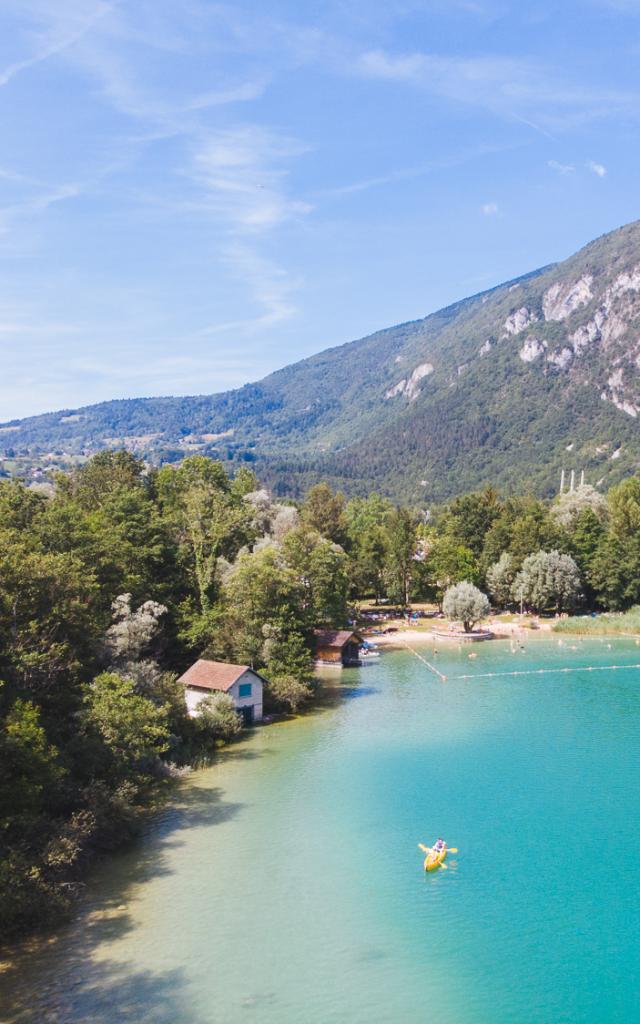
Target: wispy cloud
x=270, y=286
x=511, y=87
x=490, y=209
x=598, y=169
x=243, y=179
x=52, y=29
x=560, y=168
x=408, y=173
x=235, y=178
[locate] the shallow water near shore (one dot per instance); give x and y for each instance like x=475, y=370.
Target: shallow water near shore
x=285, y=883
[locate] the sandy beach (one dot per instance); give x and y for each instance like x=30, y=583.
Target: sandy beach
x=421, y=635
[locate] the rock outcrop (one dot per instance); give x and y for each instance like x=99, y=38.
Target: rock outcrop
x=564, y=298
x=409, y=385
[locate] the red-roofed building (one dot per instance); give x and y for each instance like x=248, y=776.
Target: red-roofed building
x=242, y=683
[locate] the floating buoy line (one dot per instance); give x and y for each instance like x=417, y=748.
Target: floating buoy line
x=518, y=672
x=544, y=671
x=431, y=667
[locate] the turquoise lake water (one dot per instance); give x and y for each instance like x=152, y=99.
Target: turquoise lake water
x=286, y=885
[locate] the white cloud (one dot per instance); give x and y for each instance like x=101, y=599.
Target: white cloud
x=516, y=88
x=555, y=165
x=240, y=171
x=490, y=209
x=599, y=169
x=52, y=29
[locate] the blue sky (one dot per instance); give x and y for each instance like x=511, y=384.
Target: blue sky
x=193, y=194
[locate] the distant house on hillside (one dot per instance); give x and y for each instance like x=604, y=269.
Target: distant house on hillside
x=242, y=683
x=337, y=646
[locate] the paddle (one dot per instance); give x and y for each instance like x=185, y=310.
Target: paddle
x=429, y=849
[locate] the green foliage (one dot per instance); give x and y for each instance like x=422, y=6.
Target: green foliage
x=401, y=544
x=449, y=562
x=286, y=654
x=139, y=572
x=548, y=580
x=217, y=717
x=624, y=508
x=367, y=525
x=287, y=693
x=208, y=520
x=465, y=603
x=262, y=590
x=320, y=569
x=621, y=624
x=46, y=619
x=133, y=728
x=500, y=579
x=569, y=506
x=469, y=518
x=523, y=527
x=324, y=511
x=614, y=572
x=30, y=768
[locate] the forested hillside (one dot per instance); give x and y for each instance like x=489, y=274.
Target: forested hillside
x=504, y=388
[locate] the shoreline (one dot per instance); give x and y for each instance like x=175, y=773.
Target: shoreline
x=500, y=631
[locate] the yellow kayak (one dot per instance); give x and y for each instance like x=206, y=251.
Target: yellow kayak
x=434, y=859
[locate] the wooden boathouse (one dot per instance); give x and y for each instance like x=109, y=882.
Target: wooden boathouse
x=337, y=646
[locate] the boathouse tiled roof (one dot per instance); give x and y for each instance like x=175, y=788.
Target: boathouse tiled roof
x=213, y=675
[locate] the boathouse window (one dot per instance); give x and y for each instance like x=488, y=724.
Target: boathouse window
x=244, y=690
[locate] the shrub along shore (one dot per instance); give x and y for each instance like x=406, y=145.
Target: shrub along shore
x=113, y=583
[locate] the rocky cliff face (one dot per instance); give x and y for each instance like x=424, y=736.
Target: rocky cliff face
x=600, y=341
x=507, y=387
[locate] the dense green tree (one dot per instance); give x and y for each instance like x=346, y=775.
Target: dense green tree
x=46, y=622
x=548, y=580
x=587, y=535
x=468, y=519
x=20, y=508
x=287, y=692
x=208, y=520
x=614, y=573
x=321, y=570
x=324, y=511
x=448, y=562
x=367, y=528
x=132, y=728
x=30, y=769
x=401, y=549
x=286, y=654
x=262, y=590
x=500, y=580
x=101, y=478
x=523, y=527
x=624, y=508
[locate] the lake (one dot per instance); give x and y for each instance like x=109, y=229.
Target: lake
x=285, y=885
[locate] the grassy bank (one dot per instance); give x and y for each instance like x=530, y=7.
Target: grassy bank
x=606, y=624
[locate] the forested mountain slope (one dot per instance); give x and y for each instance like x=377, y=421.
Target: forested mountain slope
x=506, y=387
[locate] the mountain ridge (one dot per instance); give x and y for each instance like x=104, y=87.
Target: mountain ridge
x=507, y=386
